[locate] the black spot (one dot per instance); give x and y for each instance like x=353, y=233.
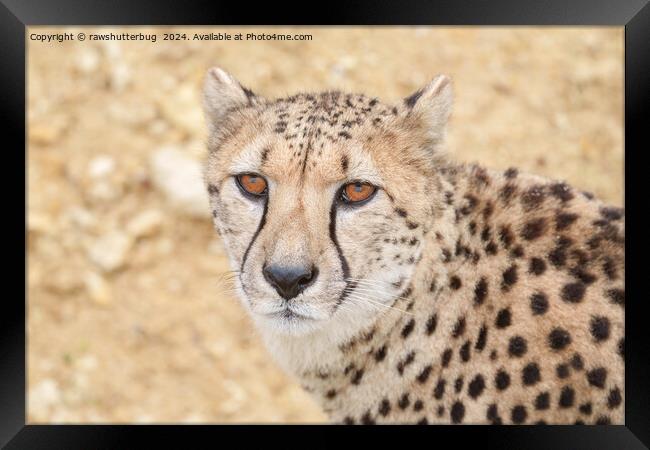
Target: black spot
x=384, y=407
x=348, y=420
x=597, y=377
x=457, y=412
x=517, y=252
x=518, y=414
x=577, y=363
x=380, y=354
x=617, y=296
x=542, y=401
x=458, y=384
x=411, y=100
x=424, y=375
x=603, y=420
x=459, y=328
x=418, y=405
x=564, y=220
x=480, y=291
x=491, y=248
x=503, y=319
x=446, y=357
x=476, y=386
x=517, y=346
x=358, y=375
x=511, y=173
x=345, y=134
x=344, y=163
x=502, y=380
x=609, y=268
x=614, y=399
x=533, y=229
x=537, y=266
x=493, y=355
x=509, y=277
x=465, y=351
x=539, y=303
x=493, y=415
x=557, y=256
x=485, y=233
x=439, y=390
x=621, y=348
x=585, y=408
x=431, y=325
x=455, y=283
x=404, y=401
x=482, y=339
x=561, y=191
x=212, y=189
x=507, y=192
x=533, y=197
x=400, y=212
x=562, y=371
x=506, y=236
x=573, y=292
x=600, y=328
x=559, y=338
x=567, y=397
x=583, y=275
x=408, y=328
x=530, y=374
x=405, y=362
x=440, y=411
x=610, y=213
x=367, y=419
x=330, y=394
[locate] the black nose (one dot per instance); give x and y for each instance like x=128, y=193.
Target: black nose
x=289, y=281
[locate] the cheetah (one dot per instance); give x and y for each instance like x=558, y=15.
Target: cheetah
x=398, y=286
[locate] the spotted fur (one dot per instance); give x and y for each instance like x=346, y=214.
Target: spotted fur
x=457, y=294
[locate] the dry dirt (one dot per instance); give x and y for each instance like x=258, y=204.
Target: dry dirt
x=127, y=320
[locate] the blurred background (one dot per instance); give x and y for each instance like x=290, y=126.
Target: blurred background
x=127, y=318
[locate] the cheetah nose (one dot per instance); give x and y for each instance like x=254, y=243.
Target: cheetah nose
x=289, y=281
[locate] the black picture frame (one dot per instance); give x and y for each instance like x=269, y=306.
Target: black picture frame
x=16, y=15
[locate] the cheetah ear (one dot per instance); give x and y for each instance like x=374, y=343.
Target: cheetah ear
x=222, y=93
x=432, y=104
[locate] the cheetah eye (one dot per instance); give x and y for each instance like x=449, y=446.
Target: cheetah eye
x=252, y=184
x=357, y=192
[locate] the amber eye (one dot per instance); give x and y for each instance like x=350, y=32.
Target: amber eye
x=252, y=184
x=357, y=192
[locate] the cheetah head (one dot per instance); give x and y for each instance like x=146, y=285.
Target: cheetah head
x=322, y=200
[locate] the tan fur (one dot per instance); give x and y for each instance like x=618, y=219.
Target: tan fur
x=428, y=252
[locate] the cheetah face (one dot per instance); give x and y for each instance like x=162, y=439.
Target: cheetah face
x=322, y=200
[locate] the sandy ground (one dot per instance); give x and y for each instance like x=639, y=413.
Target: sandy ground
x=127, y=319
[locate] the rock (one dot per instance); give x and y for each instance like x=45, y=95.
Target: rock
x=101, y=166
x=182, y=108
x=43, y=396
x=145, y=224
x=110, y=251
x=180, y=179
x=87, y=61
x=98, y=289
x=62, y=280
x=120, y=76
x=44, y=134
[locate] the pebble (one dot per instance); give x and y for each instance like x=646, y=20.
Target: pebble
x=145, y=224
x=180, y=179
x=110, y=251
x=98, y=289
x=101, y=166
x=43, y=396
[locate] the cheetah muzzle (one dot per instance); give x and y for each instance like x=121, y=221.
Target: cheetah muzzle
x=401, y=287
